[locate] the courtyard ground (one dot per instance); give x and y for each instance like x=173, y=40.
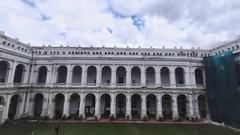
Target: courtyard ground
x=26, y=128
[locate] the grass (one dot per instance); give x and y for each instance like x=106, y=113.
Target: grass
x=24, y=128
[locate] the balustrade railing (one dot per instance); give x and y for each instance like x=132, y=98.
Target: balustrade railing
x=5, y=85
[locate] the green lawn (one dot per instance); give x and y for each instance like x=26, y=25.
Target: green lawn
x=113, y=129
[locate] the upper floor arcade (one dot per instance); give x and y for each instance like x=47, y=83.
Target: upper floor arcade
x=100, y=75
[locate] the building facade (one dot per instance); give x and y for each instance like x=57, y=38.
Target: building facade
x=102, y=82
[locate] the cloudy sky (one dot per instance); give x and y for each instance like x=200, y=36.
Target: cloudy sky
x=134, y=23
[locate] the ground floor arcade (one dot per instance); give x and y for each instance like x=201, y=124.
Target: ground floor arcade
x=130, y=104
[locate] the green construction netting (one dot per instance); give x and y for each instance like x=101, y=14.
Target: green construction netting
x=222, y=89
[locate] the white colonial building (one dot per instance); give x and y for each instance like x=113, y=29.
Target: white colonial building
x=102, y=82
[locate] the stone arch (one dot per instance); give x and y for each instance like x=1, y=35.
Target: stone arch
x=91, y=75
x=106, y=75
x=121, y=75
x=150, y=76
x=165, y=76
x=4, y=71
x=59, y=105
x=42, y=75
x=77, y=75
x=167, y=106
x=121, y=105
x=202, y=107
x=151, y=105
x=38, y=105
x=19, y=73
x=62, y=74
x=14, y=106
x=136, y=105
x=180, y=76
x=199, y=76
x=136, y=76
x=105, y=105
x=182, y=106
x=90, y=105
x=74, y=105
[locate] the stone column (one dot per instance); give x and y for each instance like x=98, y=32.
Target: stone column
x=159, y=106
x=49, y=76
x=193, y=78
x=11, y=73
x=113, y=105
x=172, y=77
x=143, y=76
x=26, y=75
x=50, y=107
x=204, y=77
x=187, y=77
x=6, y=110
x=69, y=75
x=82, y=106
x=157, y=76
x=66, y=105
x=54, y=75
x=128, y=76
x=144, y=106
x=128, y=107
x=113, y=76
x=34, y=75
x=29, y=105
x=97, y=106
x=174, y=106
x=84, y=75
x=21, y=105
x=190, y=106
x=99, y=76
x=45, y=103
x=197, y=114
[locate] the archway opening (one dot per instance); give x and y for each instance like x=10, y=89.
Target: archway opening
x=1, y=100
x=167, y=106
x=77, y=75
x=120, y=106
x=199, y=76
x=202, y=106
x=59, y=105
x=151, y=106
x=106, y=76
x=14, y=106
x=1, y=106
x=62, y=74
x=38, y=104
x=90, y=105
x=4, y=66
x=91, y=75
x=182, y=103
x=179, y=75
x=121, y=76
x=150, y=76
x=74, y=105
x=136, y=76
x=165, y=76
x=18, y=76
x=105, y=104
x=42, y=75
x=136, y=106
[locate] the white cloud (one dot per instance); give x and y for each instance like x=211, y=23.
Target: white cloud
x=166, y=23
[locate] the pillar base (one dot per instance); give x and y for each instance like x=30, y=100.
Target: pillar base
x=159, y=116
x=144, y=116
x=98, y=116
x=128, y=117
